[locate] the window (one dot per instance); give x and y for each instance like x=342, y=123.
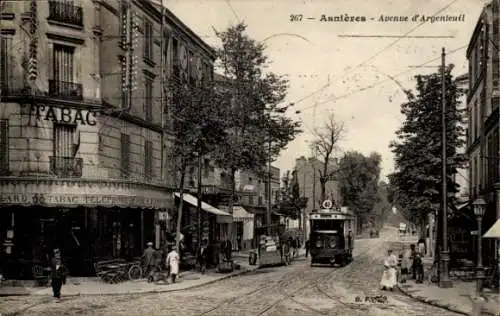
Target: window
x=148, y=40
x=125, y=156
x=63, y=63
x=5, y=45
x=206, y=168
x=191, y=68
x=64, y=136
x=476, y=120
x=175, y=52
x=4, y=147
x=148, y=159
x=148, y=99
x=63, y=74
x=250, y=199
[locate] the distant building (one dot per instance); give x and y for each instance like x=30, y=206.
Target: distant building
x=308, y=177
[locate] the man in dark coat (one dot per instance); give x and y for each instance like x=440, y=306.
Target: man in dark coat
x=148, y=257
x=228, y=249
x=57, y=274
x=202, y=256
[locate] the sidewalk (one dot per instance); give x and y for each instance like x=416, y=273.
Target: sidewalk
x=457, y=299
x=95, y=286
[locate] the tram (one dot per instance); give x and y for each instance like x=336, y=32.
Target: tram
x=332, y=235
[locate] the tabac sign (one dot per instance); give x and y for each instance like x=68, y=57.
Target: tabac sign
x=62, y=115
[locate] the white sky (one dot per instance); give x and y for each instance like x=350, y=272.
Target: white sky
x=371, y=116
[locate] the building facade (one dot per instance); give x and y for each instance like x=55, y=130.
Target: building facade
x=308, y=177
x=85, y=126
x=483, y=118
x=462, y=177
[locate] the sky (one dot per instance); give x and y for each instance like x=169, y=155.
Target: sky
x=359, y=79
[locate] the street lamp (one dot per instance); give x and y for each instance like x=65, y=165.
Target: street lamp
x=479, y=209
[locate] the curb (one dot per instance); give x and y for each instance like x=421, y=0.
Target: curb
x=166, y=290
x=431, y=302
x=439, y=305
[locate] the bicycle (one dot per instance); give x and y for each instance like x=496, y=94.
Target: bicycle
x=135, y=271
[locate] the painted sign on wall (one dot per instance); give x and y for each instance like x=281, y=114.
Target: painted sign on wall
x=63, y=115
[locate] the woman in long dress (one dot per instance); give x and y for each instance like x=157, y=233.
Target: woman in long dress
x=389, y=277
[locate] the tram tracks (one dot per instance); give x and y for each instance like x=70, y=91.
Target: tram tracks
x=314, y=285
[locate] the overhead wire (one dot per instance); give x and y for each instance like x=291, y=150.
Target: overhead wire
x=377, y=83
x=363, y=63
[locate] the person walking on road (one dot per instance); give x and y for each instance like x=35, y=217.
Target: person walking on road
x=172, y=262
x=307, y=247
x=57, y=274
x=202, y=256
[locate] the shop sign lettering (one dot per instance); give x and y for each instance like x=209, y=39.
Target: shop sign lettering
x=63, y=115
x=74, y=199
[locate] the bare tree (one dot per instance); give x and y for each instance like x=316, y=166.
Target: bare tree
x=325, y=147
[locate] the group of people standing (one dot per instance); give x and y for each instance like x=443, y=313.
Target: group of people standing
x=396, y=269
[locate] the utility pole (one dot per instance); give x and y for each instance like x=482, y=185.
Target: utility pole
x=444, y=280
x=268, y=213
x=314, y=186
x=199, y=199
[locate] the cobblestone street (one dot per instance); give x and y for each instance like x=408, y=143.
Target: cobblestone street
x=294, y=290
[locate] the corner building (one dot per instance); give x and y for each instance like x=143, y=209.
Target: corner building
x=84, y=128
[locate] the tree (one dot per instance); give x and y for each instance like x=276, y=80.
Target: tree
x=198, y=125
x=291, y=203
x=417, y=179
x=358, y=177
x=325, y=146
x=257, y=126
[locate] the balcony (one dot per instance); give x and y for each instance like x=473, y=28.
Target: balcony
x=65, y=90
x=66, y=13
x=66, y=167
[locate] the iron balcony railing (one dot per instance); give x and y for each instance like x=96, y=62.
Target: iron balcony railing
x=67, y=167
x=65, y=90
x=65, y=12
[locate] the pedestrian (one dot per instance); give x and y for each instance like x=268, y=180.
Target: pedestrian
x=419, y=268
x=389, y=276
x=202, y=256
x=172, y=262
x=228, y=249
x=297, y=245
x=307, y=247
x=421, y=246
x=57, y=274
x=148, y=258
x=239, y=241
x=413, y=255
x=291, y=242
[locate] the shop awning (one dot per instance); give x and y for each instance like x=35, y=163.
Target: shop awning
x=240, y=214
x=204, y=206
x=494, y=231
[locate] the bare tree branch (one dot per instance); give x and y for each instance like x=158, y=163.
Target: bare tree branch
x=326, y=146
